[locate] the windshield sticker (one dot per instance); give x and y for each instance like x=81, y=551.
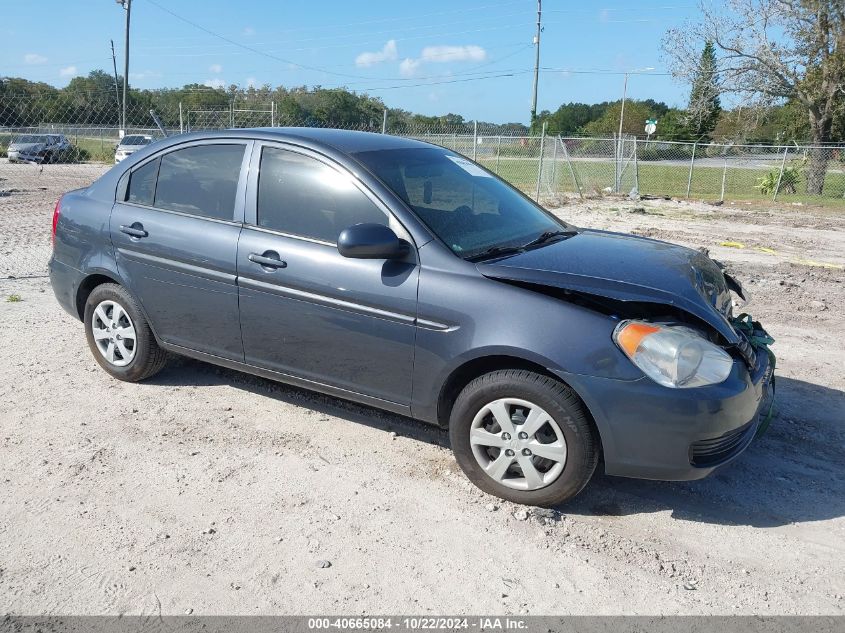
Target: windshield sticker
x=471, y=168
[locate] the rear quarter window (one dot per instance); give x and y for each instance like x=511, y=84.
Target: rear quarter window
x=142, y=184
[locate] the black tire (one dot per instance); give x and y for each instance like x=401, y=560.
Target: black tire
x=149, y=358
x=559, y=401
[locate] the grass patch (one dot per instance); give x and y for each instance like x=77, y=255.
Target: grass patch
x=741, y=183
x=14, y=299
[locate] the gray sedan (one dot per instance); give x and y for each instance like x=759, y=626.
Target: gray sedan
x=39, y=148
x=403, y=276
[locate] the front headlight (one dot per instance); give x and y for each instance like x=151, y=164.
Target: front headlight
x=673, y=355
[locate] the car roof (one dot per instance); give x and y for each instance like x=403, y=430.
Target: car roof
x=346, y=141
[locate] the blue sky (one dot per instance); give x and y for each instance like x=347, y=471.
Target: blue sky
x=472, y=57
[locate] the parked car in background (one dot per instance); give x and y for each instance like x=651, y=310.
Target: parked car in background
x=39, y=148
x=406, y=277
x=130, y=144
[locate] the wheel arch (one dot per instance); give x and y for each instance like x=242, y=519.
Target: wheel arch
x=471, y=369
x=86, y=287
x=98, y=277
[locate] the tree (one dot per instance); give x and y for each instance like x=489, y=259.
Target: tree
x=773, y=51
x=704, y=104
x=636, y=114
x=673, y=126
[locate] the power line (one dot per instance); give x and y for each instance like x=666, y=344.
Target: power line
x=396, y=18
x=250, y=48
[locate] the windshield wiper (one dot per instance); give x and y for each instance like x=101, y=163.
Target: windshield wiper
x=495, y=251
x=543, y=238
x=548, y=236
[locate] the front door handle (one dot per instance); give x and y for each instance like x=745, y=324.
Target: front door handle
x=135, y=230
x=268, y=259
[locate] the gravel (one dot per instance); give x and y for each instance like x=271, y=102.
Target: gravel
x=93, y=472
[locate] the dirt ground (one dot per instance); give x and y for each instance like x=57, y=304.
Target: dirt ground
x=207, y=491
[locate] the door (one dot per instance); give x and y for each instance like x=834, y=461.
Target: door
x=306, y=310
x=175, y=236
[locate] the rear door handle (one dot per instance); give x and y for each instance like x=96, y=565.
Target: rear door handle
x=135, y=230
x=268, y=259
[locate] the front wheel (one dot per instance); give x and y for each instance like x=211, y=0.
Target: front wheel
x=119, y=336
x=524, y=437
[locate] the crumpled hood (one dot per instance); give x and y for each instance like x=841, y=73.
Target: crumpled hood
x=626, y=268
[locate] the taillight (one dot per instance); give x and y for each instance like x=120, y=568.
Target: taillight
x=56, y=212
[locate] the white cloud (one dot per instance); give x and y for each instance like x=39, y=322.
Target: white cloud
x=68, y=71
x=214, y=83
x=34, y=58
x=409, y=66
x=215, y=68
x=387, y=54
x=145, y=74
x=441, y=54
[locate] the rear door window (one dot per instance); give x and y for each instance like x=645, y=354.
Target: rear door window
x=142, y=184
x=200, y=180
x=302, y=196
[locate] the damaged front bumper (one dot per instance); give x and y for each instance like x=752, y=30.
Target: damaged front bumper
x=653, y=432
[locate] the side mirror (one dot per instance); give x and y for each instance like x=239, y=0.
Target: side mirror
x=371, y=241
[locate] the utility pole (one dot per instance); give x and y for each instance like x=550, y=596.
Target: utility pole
x=536, y=60
x=127, y=6
x=114, y=65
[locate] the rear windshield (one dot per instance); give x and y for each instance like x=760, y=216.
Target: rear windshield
x=467, y=207
x=31, y=138
x=135, y=140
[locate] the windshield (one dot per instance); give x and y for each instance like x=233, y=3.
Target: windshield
x=135, y=140
x=468, y=208
x=31, y=138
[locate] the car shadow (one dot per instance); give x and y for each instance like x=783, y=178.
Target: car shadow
x=183, y=371
x=794, y=473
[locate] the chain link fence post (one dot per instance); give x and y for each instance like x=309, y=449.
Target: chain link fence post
x=636, y=167
x=571, y=169
x=474, y=140
x=780, y=175
x=384, y=122
x=181, y=123
x=691, y=163
x=498, y=151
x=617, y=153
x=540, y=161
x=724, y=177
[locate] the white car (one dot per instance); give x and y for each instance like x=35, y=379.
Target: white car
x=39, y=148
x=129, y=144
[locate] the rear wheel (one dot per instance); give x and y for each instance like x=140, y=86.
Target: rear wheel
x=119, y=336
x=524, y=437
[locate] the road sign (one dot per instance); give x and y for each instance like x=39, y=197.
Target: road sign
x=650, y=126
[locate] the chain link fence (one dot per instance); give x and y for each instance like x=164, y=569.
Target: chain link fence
x=46, y=150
